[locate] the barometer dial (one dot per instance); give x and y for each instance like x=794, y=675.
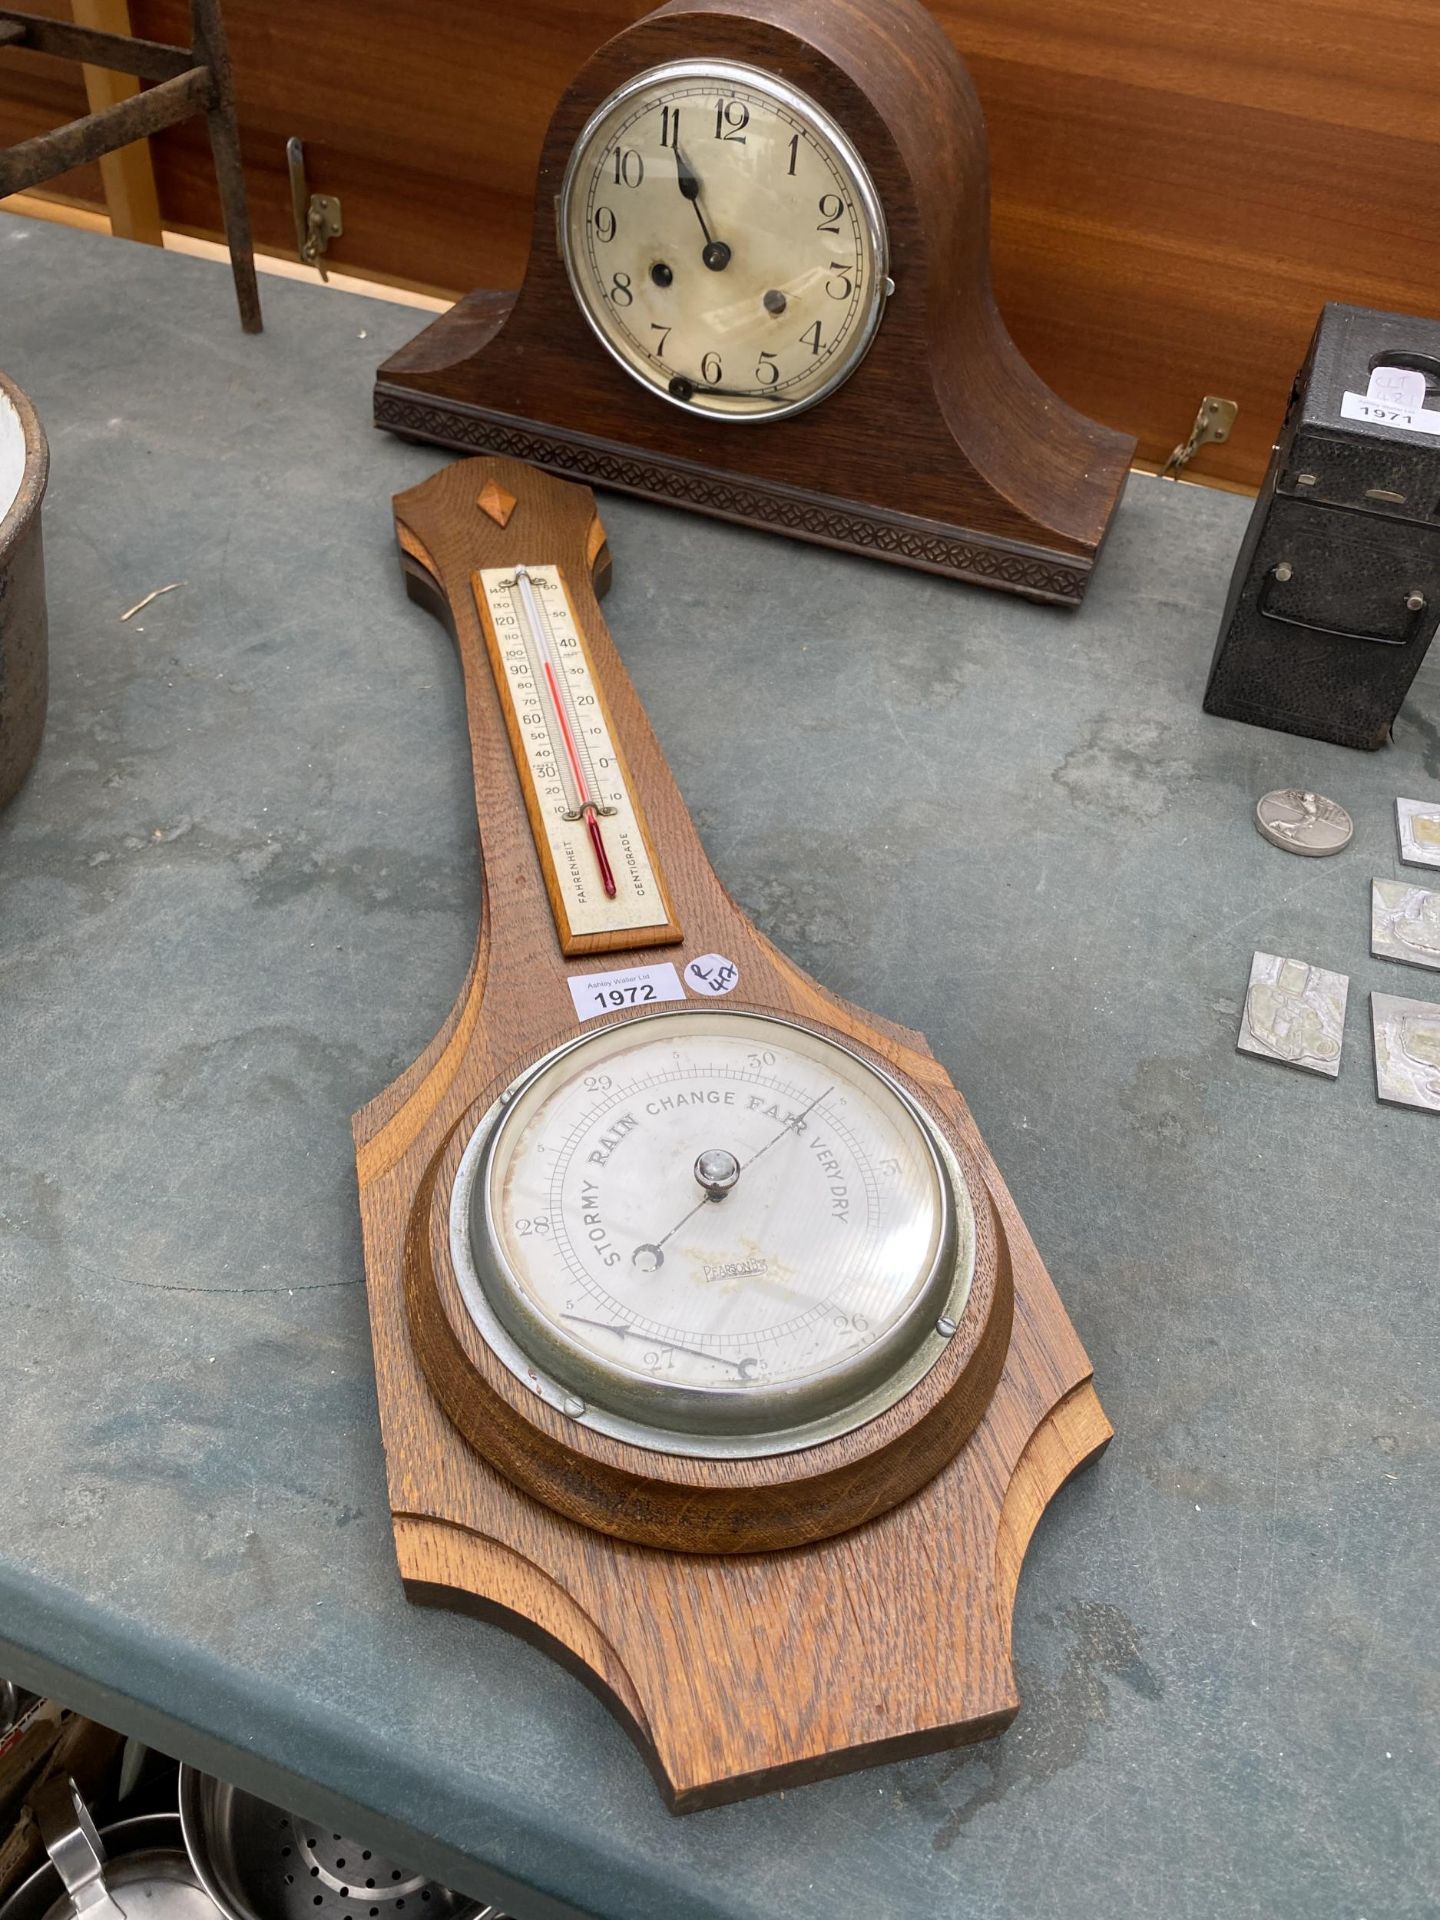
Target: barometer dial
x=724, y=240
x=713, y=1232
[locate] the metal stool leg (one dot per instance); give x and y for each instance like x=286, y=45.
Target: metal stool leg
x=208, y=32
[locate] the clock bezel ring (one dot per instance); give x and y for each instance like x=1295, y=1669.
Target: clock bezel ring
x=792, y=100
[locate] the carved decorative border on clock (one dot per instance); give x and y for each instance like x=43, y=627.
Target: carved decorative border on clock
x=804, y=516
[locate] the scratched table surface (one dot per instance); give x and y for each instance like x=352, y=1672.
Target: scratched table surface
x=239, y=893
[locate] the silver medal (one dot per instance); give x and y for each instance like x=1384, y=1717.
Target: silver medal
x=1303, y=822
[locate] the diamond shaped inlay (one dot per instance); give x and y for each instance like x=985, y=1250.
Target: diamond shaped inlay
x=496, y=502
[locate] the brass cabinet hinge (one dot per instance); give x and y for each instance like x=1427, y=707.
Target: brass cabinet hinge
x=317, y=215
x=1212, y=424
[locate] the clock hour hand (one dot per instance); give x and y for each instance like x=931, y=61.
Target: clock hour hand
x=715, y=253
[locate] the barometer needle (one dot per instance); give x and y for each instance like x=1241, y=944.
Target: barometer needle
x=588, y=807
x=792, y=1125
x=742, y=1367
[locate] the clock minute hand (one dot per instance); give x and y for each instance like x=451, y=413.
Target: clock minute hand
x=684, y=387
x=715, y=253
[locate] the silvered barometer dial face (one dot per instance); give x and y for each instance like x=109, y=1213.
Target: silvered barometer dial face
x=724, y=240
x=712, y=1233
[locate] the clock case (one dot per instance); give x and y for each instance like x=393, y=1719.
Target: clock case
x=943, y=450
x=756, y=1623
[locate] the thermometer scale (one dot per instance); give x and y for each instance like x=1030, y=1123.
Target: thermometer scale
x=577, y=767
x=708, y=1340
x=576, y=788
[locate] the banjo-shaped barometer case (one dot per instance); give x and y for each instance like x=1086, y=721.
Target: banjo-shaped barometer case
x=711, y=1349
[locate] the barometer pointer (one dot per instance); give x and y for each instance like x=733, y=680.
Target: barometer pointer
x=791, y=1126
x=716, y=254
x=742, y=1367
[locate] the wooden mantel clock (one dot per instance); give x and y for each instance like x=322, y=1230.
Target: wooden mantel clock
x=710, y=1346
x=759, y=287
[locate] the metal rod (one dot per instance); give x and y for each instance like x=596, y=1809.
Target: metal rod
x=197, y=81
x=211, y=46
x=146, y=59
x=71, y=146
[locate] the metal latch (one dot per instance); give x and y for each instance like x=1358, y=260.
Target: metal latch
x=317, y=215
x=1212, y=424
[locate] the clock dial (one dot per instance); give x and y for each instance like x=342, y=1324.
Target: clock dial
x=714, y=1232
x=724, y=240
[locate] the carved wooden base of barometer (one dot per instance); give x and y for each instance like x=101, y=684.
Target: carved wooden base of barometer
x=711, y=1349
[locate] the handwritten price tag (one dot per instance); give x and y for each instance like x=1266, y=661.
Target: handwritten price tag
x=1395, y=398
x=712, y=973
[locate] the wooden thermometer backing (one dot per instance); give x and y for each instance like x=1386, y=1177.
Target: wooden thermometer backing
x=755, y=1621
x=560, y=730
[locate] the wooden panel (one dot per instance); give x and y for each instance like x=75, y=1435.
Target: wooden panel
x=127, y=176
x=1175, y=197
x=401, y=116
x=1177, y=189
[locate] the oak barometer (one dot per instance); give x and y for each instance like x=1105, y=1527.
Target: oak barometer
x=807, y=1283
x=759, y=287
x=710, y=1346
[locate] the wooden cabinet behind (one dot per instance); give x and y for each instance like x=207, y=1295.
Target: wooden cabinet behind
x=1176, y=189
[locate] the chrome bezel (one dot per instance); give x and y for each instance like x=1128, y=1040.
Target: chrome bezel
x=699, y=1421
x=793, y=101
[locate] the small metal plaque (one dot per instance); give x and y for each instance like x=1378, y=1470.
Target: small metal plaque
x=1294, y=1013
x=1418, y=824
x=1407, y=1051
x=1405, y=923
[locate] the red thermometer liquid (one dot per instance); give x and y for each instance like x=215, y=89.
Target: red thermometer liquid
x=577, y=774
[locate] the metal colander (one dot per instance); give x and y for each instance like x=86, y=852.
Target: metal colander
x=258, y=1862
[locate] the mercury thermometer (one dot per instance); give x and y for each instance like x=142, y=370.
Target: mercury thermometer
x=594, y=846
